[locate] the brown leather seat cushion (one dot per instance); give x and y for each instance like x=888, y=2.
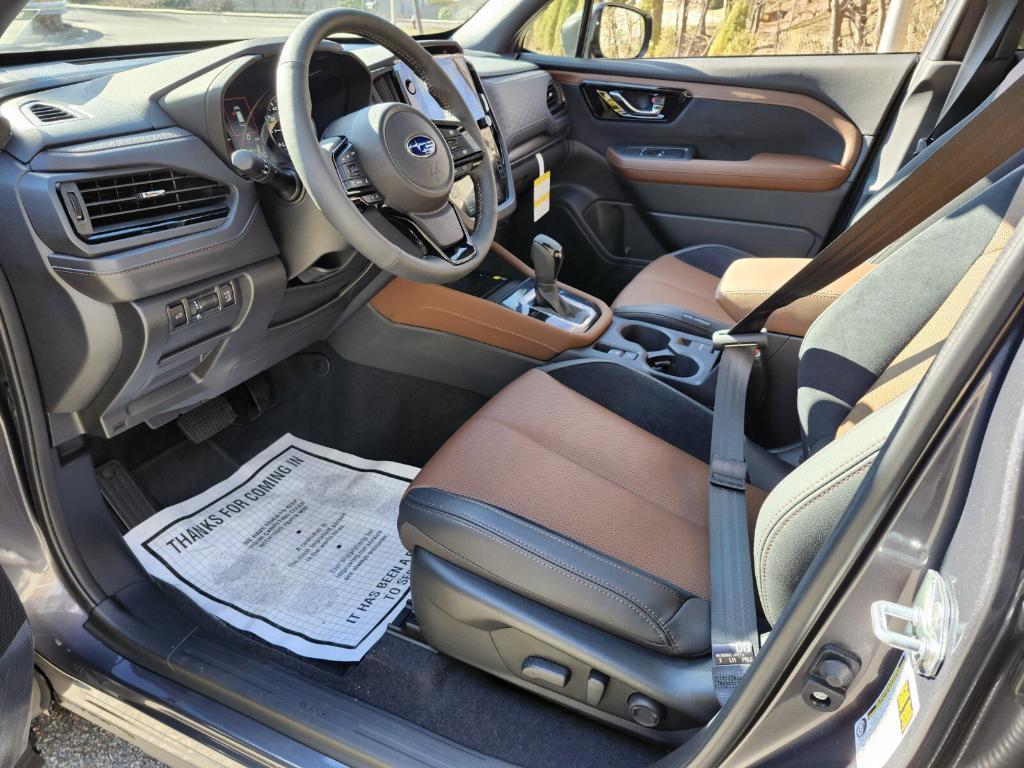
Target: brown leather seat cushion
x=552, y=456
x=671, y=281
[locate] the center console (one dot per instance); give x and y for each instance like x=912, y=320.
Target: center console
x=681, y=360
x=684, y=361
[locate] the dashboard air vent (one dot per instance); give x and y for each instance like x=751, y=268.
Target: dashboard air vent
x=386, y=88
x=555, y=98
x=50, y=113
x=116, y=207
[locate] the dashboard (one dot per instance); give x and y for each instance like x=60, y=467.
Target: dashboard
x=168, y=276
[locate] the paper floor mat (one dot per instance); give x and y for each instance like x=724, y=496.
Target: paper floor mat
x=300, y=547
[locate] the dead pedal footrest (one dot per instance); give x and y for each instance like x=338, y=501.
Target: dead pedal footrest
x=123, y=494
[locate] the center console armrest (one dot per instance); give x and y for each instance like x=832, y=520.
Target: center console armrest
x=748, y=282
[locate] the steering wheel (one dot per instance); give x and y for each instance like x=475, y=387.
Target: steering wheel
x=383, y=175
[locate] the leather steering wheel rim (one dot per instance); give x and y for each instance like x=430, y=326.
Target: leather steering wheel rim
x=316, y=167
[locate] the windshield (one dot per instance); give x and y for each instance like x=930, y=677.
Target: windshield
x=49, y=24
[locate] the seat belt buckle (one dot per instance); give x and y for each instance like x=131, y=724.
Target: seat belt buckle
x=724, y=338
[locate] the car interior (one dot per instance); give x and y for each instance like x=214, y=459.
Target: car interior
x=339, y=236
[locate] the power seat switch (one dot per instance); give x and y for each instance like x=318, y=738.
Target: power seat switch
x=830, y=678
x=542, y=670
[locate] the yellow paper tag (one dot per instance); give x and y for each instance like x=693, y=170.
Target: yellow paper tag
x=541, y=191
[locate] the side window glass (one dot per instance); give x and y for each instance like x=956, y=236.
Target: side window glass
x=683, y=28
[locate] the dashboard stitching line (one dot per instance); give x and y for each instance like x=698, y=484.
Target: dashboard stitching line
x=161, y=262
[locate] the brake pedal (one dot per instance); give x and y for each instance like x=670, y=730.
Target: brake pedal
x=207, y=420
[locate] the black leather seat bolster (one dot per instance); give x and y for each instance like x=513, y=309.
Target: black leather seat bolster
x=555, y=571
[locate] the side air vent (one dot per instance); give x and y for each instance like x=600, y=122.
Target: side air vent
x=116, y=207
x=386, y=89
x=555, y=99
x=50, y=113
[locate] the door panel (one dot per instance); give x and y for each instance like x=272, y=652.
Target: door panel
x=756, y=153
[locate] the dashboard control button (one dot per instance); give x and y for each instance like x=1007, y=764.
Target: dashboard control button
x=227, y=295
x=176, y=315
x=200, y=305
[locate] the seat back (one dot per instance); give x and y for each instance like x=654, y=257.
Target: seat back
x=859, y=365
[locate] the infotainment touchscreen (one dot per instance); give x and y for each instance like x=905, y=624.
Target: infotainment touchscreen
x=416, y=91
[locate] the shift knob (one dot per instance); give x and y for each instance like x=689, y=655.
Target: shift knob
x=547, y=255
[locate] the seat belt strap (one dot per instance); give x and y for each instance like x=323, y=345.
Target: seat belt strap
x=987, y=140
x=961, y=98
x=734, y=634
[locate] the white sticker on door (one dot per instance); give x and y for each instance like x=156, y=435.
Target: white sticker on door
x=881, y=729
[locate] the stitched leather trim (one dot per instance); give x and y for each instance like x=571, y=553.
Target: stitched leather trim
x=580, y=576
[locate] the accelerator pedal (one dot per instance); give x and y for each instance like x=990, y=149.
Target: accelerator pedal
x=123, y=494
x=207, y=420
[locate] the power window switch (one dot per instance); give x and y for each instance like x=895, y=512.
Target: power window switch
x=227, y=295
x=176, y=315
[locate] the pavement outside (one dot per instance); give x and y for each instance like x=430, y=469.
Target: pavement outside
x=68, y=741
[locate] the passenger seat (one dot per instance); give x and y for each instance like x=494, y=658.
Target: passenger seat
x=679, y=290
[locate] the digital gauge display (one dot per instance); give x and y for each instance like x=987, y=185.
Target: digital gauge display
x=255, y=126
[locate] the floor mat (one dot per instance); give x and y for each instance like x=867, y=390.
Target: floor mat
x=299, y=546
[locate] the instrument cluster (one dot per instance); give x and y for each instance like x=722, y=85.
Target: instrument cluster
x=250, y=109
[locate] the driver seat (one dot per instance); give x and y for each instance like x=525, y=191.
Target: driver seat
x=560, y=537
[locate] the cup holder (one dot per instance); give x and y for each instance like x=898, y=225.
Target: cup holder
x=668, y=362
x=651, y=339
x=659, y=354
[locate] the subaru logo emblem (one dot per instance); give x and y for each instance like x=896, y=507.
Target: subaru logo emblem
x=421, y=146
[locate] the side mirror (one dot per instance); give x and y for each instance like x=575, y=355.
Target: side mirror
x=618, y=31
x=570, y=33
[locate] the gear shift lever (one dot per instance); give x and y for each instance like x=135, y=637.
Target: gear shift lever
x=546, y=254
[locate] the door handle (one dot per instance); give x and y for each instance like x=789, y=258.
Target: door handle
x=618, y=102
